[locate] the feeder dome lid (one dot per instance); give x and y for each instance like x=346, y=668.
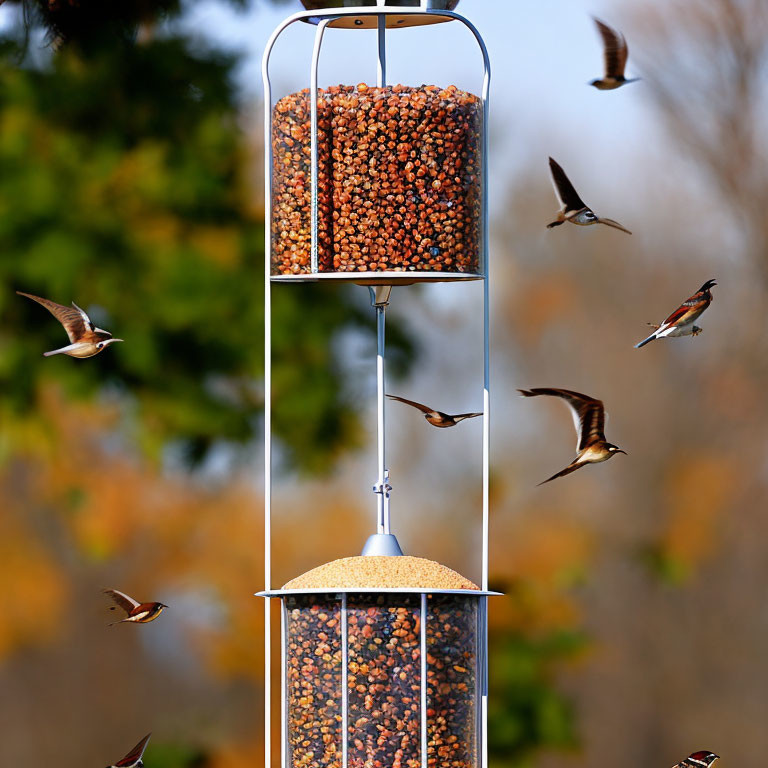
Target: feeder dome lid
x=390, y=573
x=427, y=5
x=402, y=13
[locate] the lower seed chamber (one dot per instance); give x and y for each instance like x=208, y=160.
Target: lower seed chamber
x=384, y=726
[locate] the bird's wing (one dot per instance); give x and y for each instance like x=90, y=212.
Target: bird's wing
x=466, y=415
x=74, y=320
x=422, y=408
x=567, y=471
x=588, y=413
x=125, y=602
x=686, y=313
x=566, y=194
x=615, y=49
x=84, y=316
x=134, y=755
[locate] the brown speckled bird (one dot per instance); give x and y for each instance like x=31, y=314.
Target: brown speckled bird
x=86, y=340
x=138, y=613
x=701, y=759
x=133, y=758
x=437, y=418
x=615, y=53
x=589, y=421
x=573, y=209
x=680, y=322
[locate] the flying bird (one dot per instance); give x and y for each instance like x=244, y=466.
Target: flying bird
x=615, y=52
x=573, y=208
x=133, y=758
x=589, y=420
x=139, y=613
x=702, y=759
x=680, y=322
x=437, y=418
x=86, y=340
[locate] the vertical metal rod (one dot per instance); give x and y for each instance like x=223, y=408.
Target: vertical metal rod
x=381, y=69
x=314, y=149
x=283, y=686
x=344, y=682
x=383, y=521
x=267, y=407
x=423, y=691
x=486, y=399
x=483, y=676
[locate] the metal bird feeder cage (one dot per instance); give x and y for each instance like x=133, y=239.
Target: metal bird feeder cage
x=383, y=656
x=356, y=655
x=376, y=183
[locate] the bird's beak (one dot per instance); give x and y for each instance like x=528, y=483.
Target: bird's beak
x=614, y=224
x=117, y=339
x=618, y=450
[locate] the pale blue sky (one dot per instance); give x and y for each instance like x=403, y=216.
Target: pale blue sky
x=543, y=54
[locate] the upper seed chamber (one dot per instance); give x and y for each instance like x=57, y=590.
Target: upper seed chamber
x=399, y=181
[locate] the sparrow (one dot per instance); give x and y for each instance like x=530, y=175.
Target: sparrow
x=574, y=209
x=702, y=759
x=680, y=322
x=86, y=339
x=133, y=758
x=615, y=52
x=437, y=418
x=140, y=613
x=589, y=420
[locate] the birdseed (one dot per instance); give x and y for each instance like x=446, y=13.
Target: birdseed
x=399, y=180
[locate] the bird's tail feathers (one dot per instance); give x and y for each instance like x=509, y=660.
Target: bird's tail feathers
x=567, y=471
x=646, y=341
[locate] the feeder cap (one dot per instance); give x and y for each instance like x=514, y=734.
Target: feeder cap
x=381, y=572
x=397, y=12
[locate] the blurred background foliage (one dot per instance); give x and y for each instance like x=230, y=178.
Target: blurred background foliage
x=633, y=625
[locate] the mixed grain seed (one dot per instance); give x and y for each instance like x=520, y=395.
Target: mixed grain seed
x=399, y=180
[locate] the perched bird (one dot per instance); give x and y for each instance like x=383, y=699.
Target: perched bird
x=574, y=209
x=140, y=613
x=615, y=52
x=133, y=758
x=680, y=322
x=86, y=339
x=437, y=418
x=589, y=420
x=702, y=759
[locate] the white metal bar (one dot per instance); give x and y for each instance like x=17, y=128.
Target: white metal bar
x=383, y=518
x=381, y=69
x=485, y=261
x=267, y=405
x=314, y=148
x=283, y=686
x=483, y=659
x=344, y=683
x=423, y=665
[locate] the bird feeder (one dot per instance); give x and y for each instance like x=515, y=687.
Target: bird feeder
x=375, y=180
x=383, y=665
x=383, y=656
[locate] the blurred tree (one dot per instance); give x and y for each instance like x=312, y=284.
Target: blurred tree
x=122, y=188
x=705, y=62
x=526, y=712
